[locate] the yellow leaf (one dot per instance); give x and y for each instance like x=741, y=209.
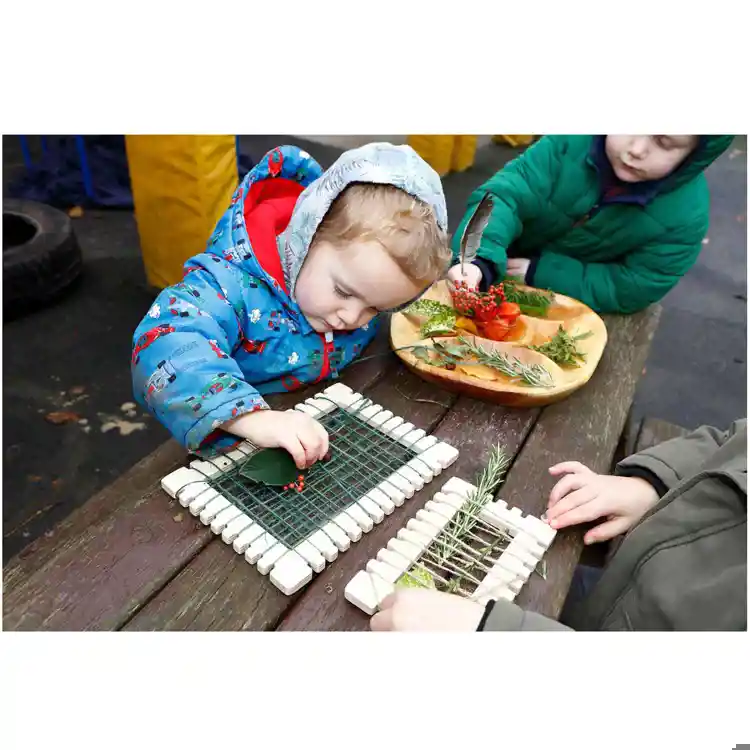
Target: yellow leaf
x=466, y=324
x=479, y=371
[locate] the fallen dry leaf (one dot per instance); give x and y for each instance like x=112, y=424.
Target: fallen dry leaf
x=179, y=517
x=76, y=212
x=128, y=406
x=62, y=417
x=125, y=428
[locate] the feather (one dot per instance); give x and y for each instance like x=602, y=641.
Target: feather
x=472, y=236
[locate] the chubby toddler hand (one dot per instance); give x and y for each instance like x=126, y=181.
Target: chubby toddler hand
x=471, y=275
x=581, y=496
x=304, y=437
x=425, y=610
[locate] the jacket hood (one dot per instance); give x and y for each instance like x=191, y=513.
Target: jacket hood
x=709, y=149
x=376, y=163
x=287, y=194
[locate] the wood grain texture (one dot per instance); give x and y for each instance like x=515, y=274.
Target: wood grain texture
x=97, y=578
x=166, y=458
x=586, y=428
x=656, y=431
x=218, y=590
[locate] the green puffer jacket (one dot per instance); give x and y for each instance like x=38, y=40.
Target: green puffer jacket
x=617, y=251
x=683, y=566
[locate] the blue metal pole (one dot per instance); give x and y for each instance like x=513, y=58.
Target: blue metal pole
x=25, y=152
x=88, y=184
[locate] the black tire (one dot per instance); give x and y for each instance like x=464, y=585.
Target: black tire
x=41, y=256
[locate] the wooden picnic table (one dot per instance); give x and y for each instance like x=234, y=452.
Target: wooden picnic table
x=133, y=559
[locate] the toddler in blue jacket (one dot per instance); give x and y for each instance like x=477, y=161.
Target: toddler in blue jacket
x=289, y=290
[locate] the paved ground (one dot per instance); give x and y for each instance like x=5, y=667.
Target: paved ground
x=696, y=373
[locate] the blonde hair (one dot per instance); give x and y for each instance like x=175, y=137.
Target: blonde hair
x=404, y=226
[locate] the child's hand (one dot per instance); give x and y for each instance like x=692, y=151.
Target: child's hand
x=471, y=275
x=304, y=437
x=426, y=609
x=582, y=496
x=518, y=267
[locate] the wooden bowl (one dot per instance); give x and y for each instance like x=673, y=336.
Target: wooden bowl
x=486, y=383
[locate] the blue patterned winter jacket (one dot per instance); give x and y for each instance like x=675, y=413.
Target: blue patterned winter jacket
x=231, y=331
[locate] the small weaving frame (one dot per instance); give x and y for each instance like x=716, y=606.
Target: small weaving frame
x=512, y=547
x=361, y=458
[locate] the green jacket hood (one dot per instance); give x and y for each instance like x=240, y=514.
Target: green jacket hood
x=709, y=149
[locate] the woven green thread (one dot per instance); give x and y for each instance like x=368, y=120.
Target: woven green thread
x=362, y=458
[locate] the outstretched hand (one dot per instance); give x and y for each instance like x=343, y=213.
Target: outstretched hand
x=581, y=496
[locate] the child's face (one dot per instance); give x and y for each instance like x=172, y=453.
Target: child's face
x=342, y=289
x=635, y=158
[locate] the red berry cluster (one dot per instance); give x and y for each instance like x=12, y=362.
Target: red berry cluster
x=484, y=306
x=299, y=485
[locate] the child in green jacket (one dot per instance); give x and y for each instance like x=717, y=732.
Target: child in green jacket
x=614, y=221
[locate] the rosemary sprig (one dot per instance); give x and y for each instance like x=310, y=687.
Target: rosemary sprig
x=562, y=349
x=466, y=517
x=462, y=522
x=449, y=355
x=535, y=375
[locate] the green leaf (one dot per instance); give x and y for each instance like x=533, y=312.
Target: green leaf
x=452, y=350
x=423, y=579
x=271, y=466
x=444, y=322
x=423, y=353
x=561, y=348
x=427, y=308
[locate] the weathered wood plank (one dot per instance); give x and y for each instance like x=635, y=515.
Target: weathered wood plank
x=100, y=576
x=113, y=554
x=218, y=590
x=585, y=427
x=471, y=426
x=639, y=434
x=134, y=483
x=235, y=588
x=655, y=431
